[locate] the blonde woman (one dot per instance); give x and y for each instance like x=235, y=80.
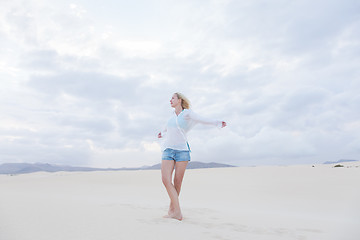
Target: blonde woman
x=176, y=149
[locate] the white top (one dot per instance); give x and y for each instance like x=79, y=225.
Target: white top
x=174, y=134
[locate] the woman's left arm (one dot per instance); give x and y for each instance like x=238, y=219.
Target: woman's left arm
x=199, y=119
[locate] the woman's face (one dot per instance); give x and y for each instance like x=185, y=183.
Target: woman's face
x=175, y=101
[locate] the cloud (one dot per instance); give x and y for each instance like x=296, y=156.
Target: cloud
x=89, y=84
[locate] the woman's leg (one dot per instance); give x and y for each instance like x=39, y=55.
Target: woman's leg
x=180, y=168
x=167, y=168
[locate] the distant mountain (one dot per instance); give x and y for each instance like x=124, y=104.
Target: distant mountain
x=340, y=161
x=19, y=168
x=15, y=168
x=195, y=165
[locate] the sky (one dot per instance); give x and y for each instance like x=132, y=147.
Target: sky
x=88, y=83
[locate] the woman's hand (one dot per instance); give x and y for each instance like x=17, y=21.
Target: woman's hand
x=223, y=124
x=159, y=135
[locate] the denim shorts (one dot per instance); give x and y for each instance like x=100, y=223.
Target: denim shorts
x=176, y=155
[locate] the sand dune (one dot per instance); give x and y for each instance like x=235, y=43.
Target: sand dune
x=292, y=202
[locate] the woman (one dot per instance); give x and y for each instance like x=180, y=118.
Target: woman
x=176, y=150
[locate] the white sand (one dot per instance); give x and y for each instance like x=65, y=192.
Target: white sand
x=294, y=202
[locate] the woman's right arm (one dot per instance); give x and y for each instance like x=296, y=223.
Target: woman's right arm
x=163, y=132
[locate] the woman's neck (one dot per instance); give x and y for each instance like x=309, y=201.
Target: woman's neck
x=178, y=110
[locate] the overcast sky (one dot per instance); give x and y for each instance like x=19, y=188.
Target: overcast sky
x=88, y=83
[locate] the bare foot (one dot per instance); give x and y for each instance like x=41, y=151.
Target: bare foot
x=171, y=211
x=177, y=215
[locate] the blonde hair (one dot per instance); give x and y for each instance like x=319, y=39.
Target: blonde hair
x=185, y=102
